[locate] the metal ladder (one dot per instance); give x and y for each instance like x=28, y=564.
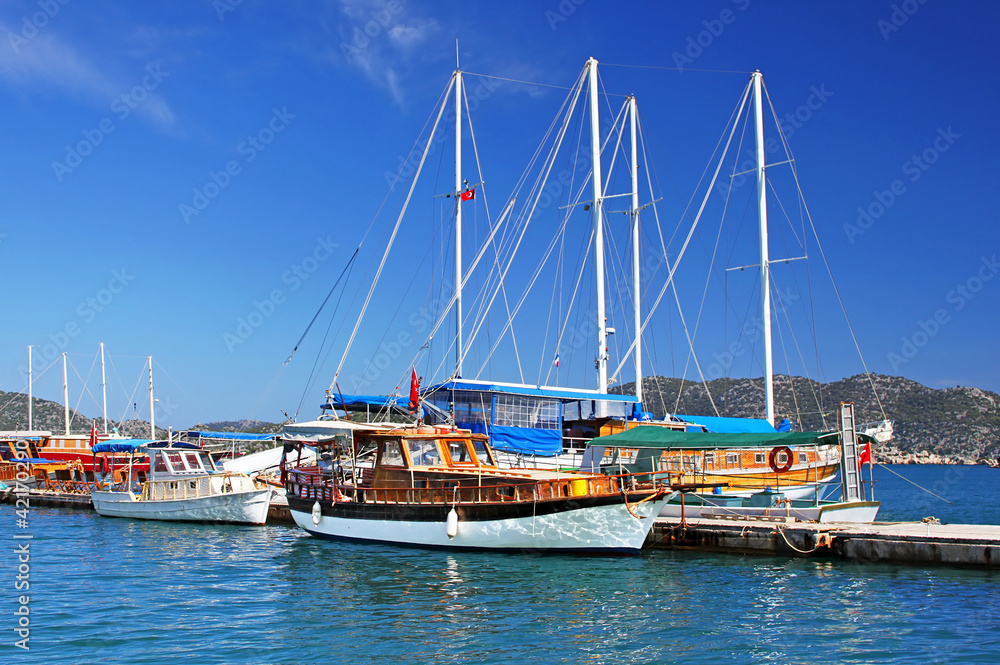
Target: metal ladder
x=850, y=477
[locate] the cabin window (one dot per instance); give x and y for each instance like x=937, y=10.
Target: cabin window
x=732, y=460
x=709, y=459
x=206, y=461
x=192, y=461
x=803, y=458
x=176, y=461
x=758, y=458
x=483, y=453
x=459, y=452
x=470, y=407
x=524, y=411
x=424, y=452
x=392, y=454
x=161, y=464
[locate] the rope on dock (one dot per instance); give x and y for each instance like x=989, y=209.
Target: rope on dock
x=787, y=542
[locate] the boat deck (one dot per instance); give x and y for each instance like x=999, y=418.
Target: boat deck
x=889, y=542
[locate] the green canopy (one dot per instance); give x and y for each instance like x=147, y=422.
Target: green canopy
x=651, y=436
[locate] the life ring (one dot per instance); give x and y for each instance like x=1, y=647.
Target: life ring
x=772, y=459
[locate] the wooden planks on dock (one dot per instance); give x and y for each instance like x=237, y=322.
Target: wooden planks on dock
x=909, y=542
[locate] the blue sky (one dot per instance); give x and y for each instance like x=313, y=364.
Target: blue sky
x=286, y=118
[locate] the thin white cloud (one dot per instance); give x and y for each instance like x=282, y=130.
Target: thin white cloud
x=378, y=41
x=46, y=65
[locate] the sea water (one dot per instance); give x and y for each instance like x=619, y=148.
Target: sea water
x=122, y=591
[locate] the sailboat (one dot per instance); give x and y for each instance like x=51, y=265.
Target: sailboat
x=765, y=472
x=69, y=448
x=437, y=483
x=531, y=426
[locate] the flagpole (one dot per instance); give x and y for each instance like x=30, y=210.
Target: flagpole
x=871, y=475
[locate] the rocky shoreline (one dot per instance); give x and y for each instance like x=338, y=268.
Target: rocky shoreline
x=896, y=456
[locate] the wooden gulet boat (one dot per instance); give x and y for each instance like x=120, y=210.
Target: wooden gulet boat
x=439, y=487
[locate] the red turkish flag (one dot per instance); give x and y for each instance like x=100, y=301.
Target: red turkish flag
x=468, y=194
x=93, y=434
x=414, y=394
x=865, y=456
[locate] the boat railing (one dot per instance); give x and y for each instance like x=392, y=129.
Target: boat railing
x=444, y=491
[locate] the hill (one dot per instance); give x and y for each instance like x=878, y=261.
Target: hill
x=960, y=424
x=50, y=416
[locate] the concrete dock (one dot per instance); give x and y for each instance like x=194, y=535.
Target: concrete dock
x=904, y=542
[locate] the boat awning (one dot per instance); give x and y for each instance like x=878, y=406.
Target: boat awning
x=357, y=401
x=319, y=431
x=122, y=445
x=650, y=436
x=563, y=394
x=730, y=425
x=228, y=436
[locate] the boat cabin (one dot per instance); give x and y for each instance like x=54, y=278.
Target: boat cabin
x=173, y=463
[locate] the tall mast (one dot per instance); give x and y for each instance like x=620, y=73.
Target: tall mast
x=152, y=415
x=635, y=254
x=595, y=152
x=104, y=390
x=65, y=394
x=30, y=427
x=458, y=223
x=765, y=278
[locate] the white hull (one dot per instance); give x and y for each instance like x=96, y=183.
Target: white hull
x=248, y=507
x=608, y=528
x=862, y=512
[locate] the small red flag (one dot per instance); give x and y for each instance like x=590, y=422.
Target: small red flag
x=414, y=394
x=865, y=456
x=93, y=434
x=468, y=194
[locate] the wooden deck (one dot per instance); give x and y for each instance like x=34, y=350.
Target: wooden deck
x=906, y=542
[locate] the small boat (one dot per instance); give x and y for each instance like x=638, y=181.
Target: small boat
x=184, y=484
x=440, y=487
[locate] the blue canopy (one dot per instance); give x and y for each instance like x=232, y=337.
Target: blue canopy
x=339, y=401
x=121, y=445
x=229, y=436
x=731, y=425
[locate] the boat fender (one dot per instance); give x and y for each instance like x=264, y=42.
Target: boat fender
x=772, y=459
x=317, y=513
x=451, y=526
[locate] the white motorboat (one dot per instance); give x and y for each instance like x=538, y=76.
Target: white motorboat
x=183, y=485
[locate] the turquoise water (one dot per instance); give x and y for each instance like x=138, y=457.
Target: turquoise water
x=113, y=590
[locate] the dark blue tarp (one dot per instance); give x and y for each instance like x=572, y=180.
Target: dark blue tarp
x=229, y=436
x=356, y=401
x=524, y=440
x=176, y=444
x=730, y=425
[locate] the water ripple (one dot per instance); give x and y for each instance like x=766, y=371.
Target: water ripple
x=142, y=592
